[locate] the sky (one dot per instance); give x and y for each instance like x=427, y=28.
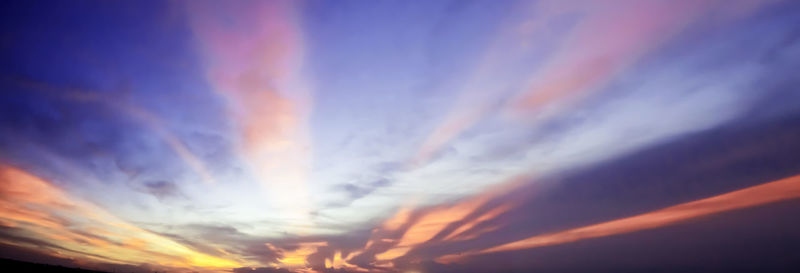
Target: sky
x=401, y=136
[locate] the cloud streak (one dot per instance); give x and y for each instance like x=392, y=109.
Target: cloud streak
x=44, y=211
x=770, y=192
x=606, y=41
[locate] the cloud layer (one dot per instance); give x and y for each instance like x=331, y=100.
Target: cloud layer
x=438, y=136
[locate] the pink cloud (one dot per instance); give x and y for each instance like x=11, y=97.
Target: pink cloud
x=254, y=57
x=610, y=37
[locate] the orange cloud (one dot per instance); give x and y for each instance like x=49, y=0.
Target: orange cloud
x=39, y=210
x=462, y=232
x=338, y=262
x=451, y=221
x=297, y=258
x=775, y=191
x=399, y=218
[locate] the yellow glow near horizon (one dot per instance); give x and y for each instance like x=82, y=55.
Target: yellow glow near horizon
x=51, y=214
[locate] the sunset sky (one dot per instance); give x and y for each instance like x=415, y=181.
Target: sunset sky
x=401, y=136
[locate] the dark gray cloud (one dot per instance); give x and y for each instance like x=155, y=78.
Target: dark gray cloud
x=355, y=191
x=33, y=256
x=162, y=189
x=362, y=187
x=12, y=234
x=207, y=237
x=261, y=270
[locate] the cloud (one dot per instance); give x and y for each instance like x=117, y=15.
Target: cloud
x=112, y=103
x=254, y=56
x=355, y=191
x=222, y=240
x=605, y=43
x=604, y=119
x=658, y=177
x=86, y=230
x=784, y=189
x=260, y=270
x=409, y=229
x=758, y=149
x=162, y=189
x=35, y=256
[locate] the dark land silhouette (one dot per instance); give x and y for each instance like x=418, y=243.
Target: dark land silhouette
x=7, y=265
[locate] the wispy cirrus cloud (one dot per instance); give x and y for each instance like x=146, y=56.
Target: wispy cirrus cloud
x=604, y=42
x=254, y=58
x=377, y=137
